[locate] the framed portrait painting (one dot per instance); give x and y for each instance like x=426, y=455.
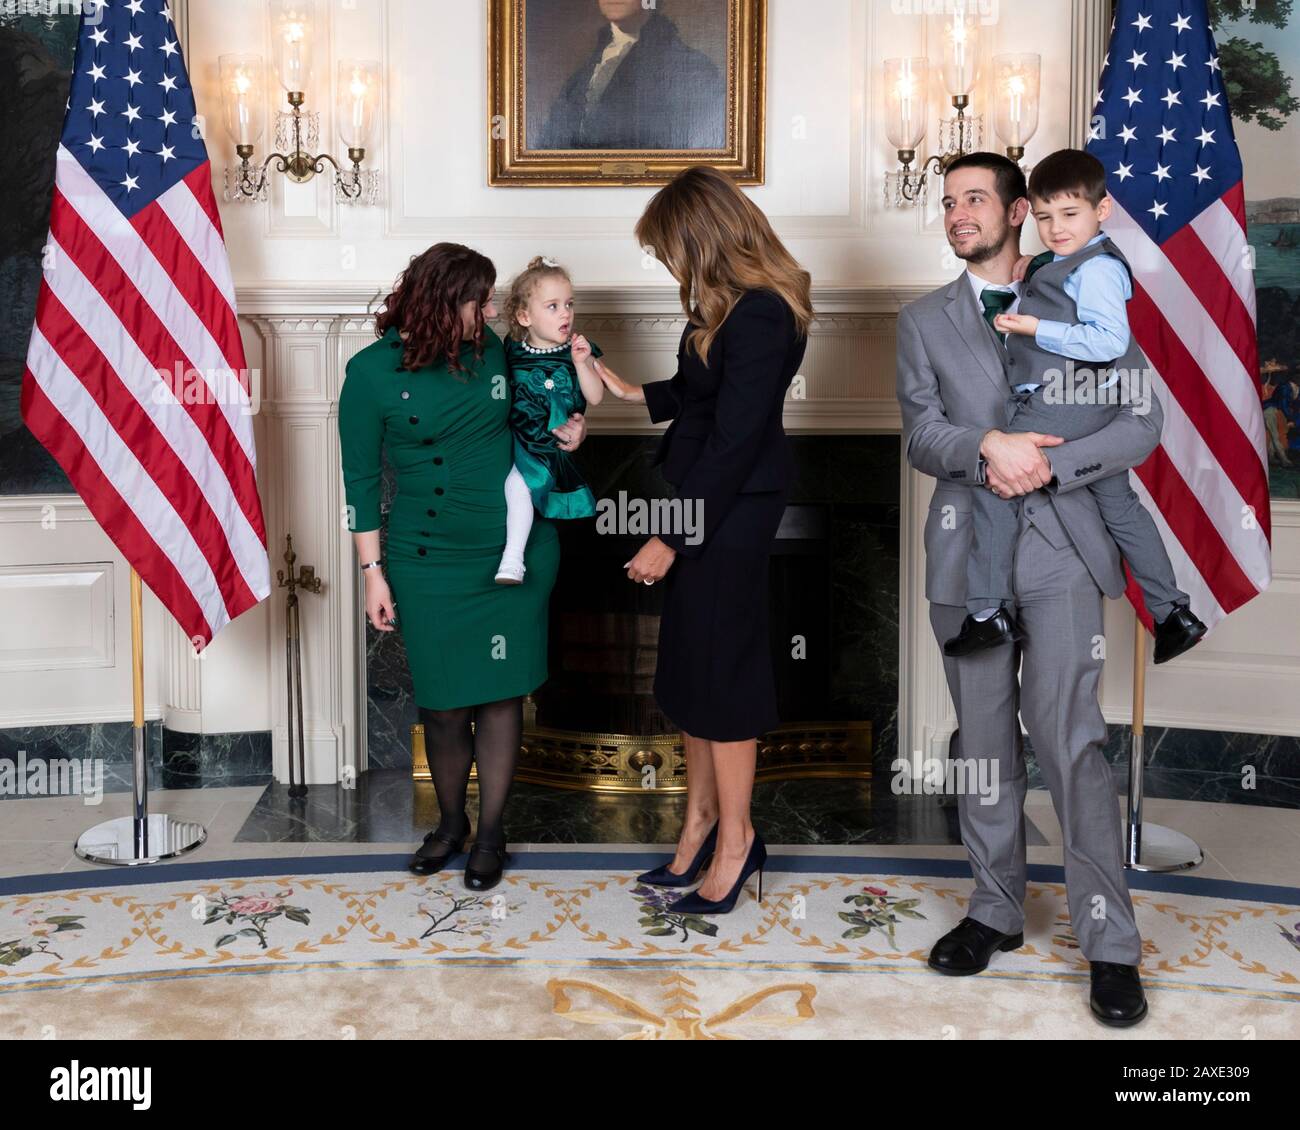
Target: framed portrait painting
x=624, y=92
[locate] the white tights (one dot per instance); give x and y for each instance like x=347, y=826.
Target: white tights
x=519, y=517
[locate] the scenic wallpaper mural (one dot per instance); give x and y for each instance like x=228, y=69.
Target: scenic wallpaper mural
x=1259, y=52
x=36, y=51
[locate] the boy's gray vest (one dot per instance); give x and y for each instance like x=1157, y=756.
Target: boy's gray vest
x=1043, y=295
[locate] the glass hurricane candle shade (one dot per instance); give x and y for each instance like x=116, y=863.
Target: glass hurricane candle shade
x=243, y=96
x=293, y=32
x=960, y=34
x=357, y=101
x=906, y=86
x=1016, y=84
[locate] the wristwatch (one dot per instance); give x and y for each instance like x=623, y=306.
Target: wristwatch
x=371, y=564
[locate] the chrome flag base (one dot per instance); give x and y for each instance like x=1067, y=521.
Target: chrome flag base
x=144, y=836
x=1153, y=847
x=126, y=842
x=1149, y=847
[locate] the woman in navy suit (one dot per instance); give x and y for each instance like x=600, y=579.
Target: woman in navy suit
x=748, y=307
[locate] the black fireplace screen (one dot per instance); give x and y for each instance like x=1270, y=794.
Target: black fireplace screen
x=834, y=610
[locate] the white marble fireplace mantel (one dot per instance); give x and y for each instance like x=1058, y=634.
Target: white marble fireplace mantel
x=307, y=334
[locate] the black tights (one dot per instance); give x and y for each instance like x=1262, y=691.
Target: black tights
x=452, y=747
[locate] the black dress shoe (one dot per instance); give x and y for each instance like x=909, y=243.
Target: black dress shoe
x=967, y=947
x=438, y=847
x=976, y=635
x=1117, y=998
x=1178, y=632
x=477, y=880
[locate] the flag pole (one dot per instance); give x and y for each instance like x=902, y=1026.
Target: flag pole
x=1150, y=847
x=140, y=837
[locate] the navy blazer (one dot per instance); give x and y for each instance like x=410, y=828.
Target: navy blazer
x=727, y=435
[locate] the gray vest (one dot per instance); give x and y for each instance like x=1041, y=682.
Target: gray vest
x=1044, y=296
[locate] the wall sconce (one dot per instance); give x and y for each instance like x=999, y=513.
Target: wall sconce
x=1016, y=88
x=906, y=84
x=960, y=135
x=297, y=131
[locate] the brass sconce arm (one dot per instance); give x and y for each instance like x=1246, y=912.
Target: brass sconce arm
x=299, y=165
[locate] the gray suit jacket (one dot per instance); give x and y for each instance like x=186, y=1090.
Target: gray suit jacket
x=952, y=388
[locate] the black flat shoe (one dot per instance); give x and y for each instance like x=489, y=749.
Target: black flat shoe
x=1117, y=998
x=967, y=947
x=477, y=880
x=1178, y=632
x=976, y=635
x=429, y=859
x=662, y=877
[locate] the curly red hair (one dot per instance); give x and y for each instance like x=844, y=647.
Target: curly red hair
x=424, y=305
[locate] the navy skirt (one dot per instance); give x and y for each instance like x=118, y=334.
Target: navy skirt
x=714, y=675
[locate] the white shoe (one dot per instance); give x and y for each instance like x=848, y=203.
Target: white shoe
x=510, y=573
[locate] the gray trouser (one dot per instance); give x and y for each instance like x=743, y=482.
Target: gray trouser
x=1060, y=606
x=995, y=521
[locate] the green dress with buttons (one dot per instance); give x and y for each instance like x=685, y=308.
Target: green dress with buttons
x=468, y=639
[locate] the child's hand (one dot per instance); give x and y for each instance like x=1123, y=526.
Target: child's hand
x=619, y=387
x=1025, y=324
x=1022, y=265
x=580, y=349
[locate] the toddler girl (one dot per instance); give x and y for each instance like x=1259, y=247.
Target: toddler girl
x=553, y=373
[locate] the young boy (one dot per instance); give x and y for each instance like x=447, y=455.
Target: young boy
x=1072, y=309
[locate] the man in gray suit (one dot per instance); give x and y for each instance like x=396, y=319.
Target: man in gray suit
x=954, y=394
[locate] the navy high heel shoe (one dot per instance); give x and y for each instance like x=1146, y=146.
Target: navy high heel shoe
x=662, y=877
x=694, y=904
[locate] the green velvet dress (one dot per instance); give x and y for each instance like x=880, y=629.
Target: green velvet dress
x=545, y=391
x=468, y=639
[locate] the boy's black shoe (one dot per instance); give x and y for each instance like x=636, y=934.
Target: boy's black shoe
x=1178, y=632
x=976, y=635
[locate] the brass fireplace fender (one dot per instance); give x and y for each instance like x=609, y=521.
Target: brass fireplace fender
x=596, y=762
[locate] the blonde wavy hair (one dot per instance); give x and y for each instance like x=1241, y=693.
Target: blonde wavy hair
x=718, y=244
x=521, y=290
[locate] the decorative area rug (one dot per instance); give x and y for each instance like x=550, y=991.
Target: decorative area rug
x=570, y=946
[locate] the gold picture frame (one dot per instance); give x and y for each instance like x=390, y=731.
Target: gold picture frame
x=571, y=140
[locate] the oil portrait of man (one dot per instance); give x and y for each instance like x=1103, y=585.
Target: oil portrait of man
x=647, y=77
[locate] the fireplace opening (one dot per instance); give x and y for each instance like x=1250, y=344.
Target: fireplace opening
x=833, y=578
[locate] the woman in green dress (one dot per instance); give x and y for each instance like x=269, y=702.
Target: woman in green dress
x=433, y=392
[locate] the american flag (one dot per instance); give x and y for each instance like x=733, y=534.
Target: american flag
x=136, y=379
x=1163, y=130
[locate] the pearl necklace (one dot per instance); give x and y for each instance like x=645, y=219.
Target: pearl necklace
x=550, y=349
